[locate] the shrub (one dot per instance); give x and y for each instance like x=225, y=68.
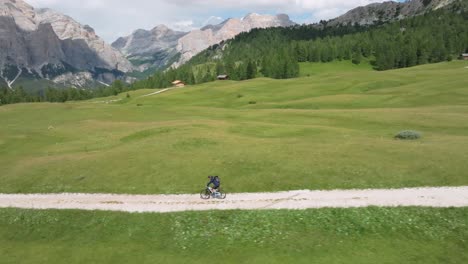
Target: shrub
x=408, y=135
x=252, y=102
x=240, y=96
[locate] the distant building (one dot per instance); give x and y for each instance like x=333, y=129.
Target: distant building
x=223, y=77
x=464, y=56
x=178, y=83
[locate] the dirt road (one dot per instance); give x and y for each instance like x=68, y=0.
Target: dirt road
x=427, y=197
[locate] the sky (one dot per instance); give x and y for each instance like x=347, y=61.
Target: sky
x=115, y=18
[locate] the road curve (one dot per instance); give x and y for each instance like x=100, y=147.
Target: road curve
x=293, y=200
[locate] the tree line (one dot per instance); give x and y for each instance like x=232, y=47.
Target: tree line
x=59, y=95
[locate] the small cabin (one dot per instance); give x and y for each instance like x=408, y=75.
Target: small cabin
x=223, y=77
x=464, y=56
x=178, y=83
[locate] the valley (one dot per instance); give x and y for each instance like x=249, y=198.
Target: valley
x=339, y=132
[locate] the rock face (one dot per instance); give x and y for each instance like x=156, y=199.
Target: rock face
x=46, y=44
x=149, y=48
x=387, y=11
x=198, y=40
x=68, y=29
x=162, y=47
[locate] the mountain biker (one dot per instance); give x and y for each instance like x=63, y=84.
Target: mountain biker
x=216, y=183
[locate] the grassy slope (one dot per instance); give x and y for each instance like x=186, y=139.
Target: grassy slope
x=333, y=129
x=372, y=235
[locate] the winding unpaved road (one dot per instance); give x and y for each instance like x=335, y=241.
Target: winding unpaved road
x=426, y=197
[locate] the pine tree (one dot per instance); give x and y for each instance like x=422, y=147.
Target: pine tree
x=357, y=57
x=251, y=70
x=220, y=69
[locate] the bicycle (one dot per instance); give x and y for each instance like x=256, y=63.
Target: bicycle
x=207, y=194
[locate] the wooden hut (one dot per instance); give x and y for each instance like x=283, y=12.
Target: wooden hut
x=178, y=83
x=223, y=77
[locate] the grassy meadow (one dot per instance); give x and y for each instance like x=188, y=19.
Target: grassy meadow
x=332, y=128
x=367, y=235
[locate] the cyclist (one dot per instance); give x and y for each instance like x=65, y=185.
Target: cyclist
x=216, y=183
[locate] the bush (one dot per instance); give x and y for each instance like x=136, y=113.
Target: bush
x=408, y=135
x=252, y=102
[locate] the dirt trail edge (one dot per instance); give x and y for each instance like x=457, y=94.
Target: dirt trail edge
x=424, y=197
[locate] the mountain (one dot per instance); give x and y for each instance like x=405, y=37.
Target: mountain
x=441, y=34
x=388, y=11
x=44, y=44
x=150, y=48
x=198, y=40
x=162, y=47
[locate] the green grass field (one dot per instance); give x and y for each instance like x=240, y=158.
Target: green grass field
x=333, y=129
x=372, y=235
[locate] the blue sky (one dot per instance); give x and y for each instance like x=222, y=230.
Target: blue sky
x=114, y=18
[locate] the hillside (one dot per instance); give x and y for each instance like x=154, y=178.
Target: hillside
x=162, y=47
x=388, y=11
x=331, y=130
x=276, y=52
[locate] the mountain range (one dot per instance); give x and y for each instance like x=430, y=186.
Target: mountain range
x=162, y=47
x=43, y=44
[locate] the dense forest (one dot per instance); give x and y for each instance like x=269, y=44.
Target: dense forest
x=59, y=95
x=436, y=36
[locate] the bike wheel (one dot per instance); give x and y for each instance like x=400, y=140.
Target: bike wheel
x=223, y=195
x=205, y=194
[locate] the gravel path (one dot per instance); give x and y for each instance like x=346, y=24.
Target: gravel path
x=427, y=197
x=158, y=92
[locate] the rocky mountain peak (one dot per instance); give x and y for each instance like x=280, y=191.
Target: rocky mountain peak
x=258, y=21
x=149, y=48
x=67, y=28
x=159, y=29
x=198, y=40
x=44, y=43
x=89, y=29
x=388, y=11
x=251, y=16
x=21, y=12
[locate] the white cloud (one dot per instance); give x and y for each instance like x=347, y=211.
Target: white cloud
x=183, y=25
x=112, y=17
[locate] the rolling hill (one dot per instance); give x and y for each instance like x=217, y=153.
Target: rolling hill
x=333, y=129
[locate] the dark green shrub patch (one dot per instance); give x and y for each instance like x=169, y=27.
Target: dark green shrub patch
x=408, y=135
